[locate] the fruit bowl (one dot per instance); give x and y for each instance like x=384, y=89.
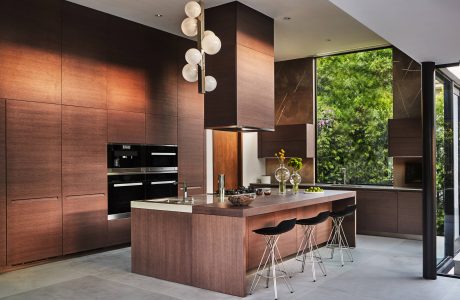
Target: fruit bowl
x=314, y=190
x=241, y=200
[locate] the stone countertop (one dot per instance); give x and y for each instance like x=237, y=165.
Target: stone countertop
x=213, y=205
x=346, y=187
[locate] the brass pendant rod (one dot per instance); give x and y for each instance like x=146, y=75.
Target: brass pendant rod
x=202, y=65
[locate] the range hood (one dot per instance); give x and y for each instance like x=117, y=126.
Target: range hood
x=244, y=99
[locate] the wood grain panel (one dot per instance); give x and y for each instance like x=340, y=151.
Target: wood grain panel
x=126, y=127
x=377, y=211
x=324, y=229
x=84, y=223
x=224, y=269
x=256, y=242
x=34, y=230
x=349, y=223
x=2, y=186
x=304, y=213
x=298, y=140
x=30, y=50
x=226, y=156
x=84, y=151
x=191, y=151
x=119, y=232
x=84, y=55
x=405, y=137
x=410, y=216
x=161, y=129
x=33, y=150
x=287, y=242
x=164, y=253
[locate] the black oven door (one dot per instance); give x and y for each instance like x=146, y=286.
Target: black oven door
x=161, y=185
x=125, y=156
x=161, y=158
x=122, y=190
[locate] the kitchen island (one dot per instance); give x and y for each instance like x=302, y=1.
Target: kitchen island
x=209, y=244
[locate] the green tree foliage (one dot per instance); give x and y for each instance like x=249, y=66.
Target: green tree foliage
x=441, y=137
x=354, y=103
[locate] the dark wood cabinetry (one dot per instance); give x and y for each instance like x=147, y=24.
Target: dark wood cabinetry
x=84, y=222
x=161, y=129
x=34, y=229
x=33, y=150
x=2, y=186
x=84, y=53
x=405, y=137
x=410, y=218
x=126, y=127
x=191, y=151
x=119, y=231
x=30, y=50
x=84, y=151
x=377, y=212
x=298, y=141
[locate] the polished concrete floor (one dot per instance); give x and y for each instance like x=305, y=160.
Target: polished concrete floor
x=384, y=268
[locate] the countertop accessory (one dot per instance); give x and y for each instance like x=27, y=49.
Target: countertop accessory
x=267, y=192
x=259, y=192
x=296, y=164
x=241, y=200
x=282, y=174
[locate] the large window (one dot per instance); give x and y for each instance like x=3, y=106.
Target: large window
x=354, y=103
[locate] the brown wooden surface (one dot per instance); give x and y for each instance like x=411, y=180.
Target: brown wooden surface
x=219, y=254
x=377, y=212
x=322, y=230
x=84, y=56
x=256, y=242
x=126, y=127
x=30, y=50
x=33, y=150
x=287, y=241
x=161, y=129
x=84, y=223
x=165, y=252
x=191, y=151
x=34, y=230
x=119, y=231
x=297, y=140
x=268, y=204
x=410, y=219
x=226, y=158
x=2, y=186
x=405, y=137
x=349, y=223
x=84, y=151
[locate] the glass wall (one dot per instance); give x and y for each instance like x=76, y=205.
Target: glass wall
x=354, y=102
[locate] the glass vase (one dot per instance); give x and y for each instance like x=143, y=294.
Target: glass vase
x=295, y=181
x=282, y=176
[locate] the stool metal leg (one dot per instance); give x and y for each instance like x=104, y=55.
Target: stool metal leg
x=310, y=246
x=339, y=240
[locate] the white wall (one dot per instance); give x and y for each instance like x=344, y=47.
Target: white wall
x=253, y=167
x=209, y=165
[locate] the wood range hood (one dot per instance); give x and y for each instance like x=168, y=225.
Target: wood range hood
x=244, y=99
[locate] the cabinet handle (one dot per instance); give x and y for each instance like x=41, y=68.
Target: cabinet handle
x=163, y=182
x=165, y=153
x=127, y=184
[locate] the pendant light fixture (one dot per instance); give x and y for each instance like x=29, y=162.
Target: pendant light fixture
x=207, y=43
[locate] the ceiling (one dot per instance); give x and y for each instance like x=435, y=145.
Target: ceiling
x=316, y=27
x=427, y=30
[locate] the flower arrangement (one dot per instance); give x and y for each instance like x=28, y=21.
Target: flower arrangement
x=281, y=156
x=295, y=163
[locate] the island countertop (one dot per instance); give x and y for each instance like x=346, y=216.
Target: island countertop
x=213, y=205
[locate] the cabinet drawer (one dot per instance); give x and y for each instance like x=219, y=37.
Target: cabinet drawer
x=377, y=211
x=410, y=218
x=119, y=231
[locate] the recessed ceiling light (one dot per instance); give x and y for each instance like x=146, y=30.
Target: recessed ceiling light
x=158, y=15
x=287, y=18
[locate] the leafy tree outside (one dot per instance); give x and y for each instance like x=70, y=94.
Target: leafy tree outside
x=354, y=103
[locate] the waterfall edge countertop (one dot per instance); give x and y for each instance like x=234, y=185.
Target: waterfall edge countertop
x=213, y=205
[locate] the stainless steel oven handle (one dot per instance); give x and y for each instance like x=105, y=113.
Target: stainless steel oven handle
x=127, y=184
x=161, y=153
x=163, y=182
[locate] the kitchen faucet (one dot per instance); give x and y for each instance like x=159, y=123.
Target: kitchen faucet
x=344, y=171
x=184, y=188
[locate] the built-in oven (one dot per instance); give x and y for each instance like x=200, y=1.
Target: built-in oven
x=161, y=185
x=161, y=158
x=123, y=189
x=122, y=156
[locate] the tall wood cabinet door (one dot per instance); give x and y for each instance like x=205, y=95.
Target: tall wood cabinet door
x=84, y=223
x=377, y=211
x=126, y=70
x=126, y=127
x=84, y=54
x=33, y=150
x=161, y=129
x=30, y=50
x=34, y=229
x=2, y=186
x=84, y=151
x=191, y=151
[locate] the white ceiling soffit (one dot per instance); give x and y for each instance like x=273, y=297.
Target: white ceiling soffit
x=316, y=27
x=427, y=30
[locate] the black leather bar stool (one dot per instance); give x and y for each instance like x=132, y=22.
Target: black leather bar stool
x=339, y=239
x=309, y=244
x=271, y=259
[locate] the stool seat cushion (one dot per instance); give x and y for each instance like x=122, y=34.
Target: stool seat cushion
x=347, y=211
x=320, y=218
x=281, y=228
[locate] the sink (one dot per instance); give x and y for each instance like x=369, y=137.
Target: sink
x=188, y=201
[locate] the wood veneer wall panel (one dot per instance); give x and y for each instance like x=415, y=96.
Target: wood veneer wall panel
x=30, y=50
x=33, y=150
x=218, y=271
x=126, y=127
x=84, y=54
x=2, y=186
x=191, y=151
x=226, y=158
x=161, y=129
x=84, y=151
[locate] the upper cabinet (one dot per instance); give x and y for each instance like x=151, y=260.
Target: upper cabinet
x=33, y=149
x=84, y=53
x=405, y=137
x=30, y=50
x=297, y=140
x=126, y=69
